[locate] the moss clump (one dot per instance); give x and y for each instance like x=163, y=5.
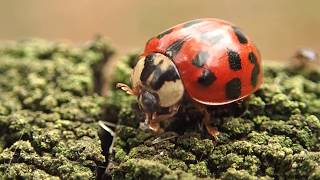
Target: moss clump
x=273, y=134
x=137, y=168
x=49, y=109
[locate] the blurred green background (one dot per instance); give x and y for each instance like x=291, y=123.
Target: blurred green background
x=278, y=27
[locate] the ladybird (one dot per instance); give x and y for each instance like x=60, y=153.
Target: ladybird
x=209, y=61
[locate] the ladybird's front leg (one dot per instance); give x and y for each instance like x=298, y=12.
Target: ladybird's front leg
x=154, y=120
x=152, y=123
x=172, y=111
x=127, y=89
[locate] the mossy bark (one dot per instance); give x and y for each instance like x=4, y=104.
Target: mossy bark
x=273, y=134
x=49, y=109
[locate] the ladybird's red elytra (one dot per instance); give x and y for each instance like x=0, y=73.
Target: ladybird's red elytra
x=190, y=23
x=200, y=59
x=206, y=78
x=209, y=60
x=212, y=44
x=241, y=37
x=233, y=88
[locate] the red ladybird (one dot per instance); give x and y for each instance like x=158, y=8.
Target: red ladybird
x=208, y=60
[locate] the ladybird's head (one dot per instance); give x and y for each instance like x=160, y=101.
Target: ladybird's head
x=159, y=84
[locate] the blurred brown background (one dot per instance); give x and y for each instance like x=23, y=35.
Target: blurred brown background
x=278, y=27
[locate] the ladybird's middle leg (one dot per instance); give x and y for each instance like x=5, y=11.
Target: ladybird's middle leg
x=213, y=131
x=154, y=120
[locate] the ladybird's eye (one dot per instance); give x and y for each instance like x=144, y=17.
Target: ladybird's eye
x=148, y=102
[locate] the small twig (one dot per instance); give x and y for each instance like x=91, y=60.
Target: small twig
x=159, y=140
x=105, y=125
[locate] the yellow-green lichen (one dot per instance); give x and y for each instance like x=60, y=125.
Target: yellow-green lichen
x=49, y=110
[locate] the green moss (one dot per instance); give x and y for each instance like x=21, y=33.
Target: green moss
x=233, y=174
x=22, y=170
x=200, y=169
x=237, y=126
x=49, y=110
x=146, y=169
x=184, y=155
x=272, y=134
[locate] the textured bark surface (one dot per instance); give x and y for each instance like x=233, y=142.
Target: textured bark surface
x=49, y=109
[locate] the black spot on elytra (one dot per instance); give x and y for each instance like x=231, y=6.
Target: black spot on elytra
x=160, y=77
x=234, y=60
x=164, y=33
x=212, y=37
x=207, y=78
x=256, y=69
x=148, y=68
x=233, y=89
x=252, y=57
x=200, y=59
x=241, y=37
x=174, y=48
x=191, y=23
x=254, y=75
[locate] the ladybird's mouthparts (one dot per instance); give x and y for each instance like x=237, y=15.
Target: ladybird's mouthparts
x=150, y=117
x=151, y=121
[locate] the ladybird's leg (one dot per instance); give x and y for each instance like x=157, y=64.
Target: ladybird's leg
x=155, y=120
x=213, y=131
x=127, y=89
x=172, y=111
x=155, y=126
x=246, y=111
x=240, y=101
x=152, y=123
